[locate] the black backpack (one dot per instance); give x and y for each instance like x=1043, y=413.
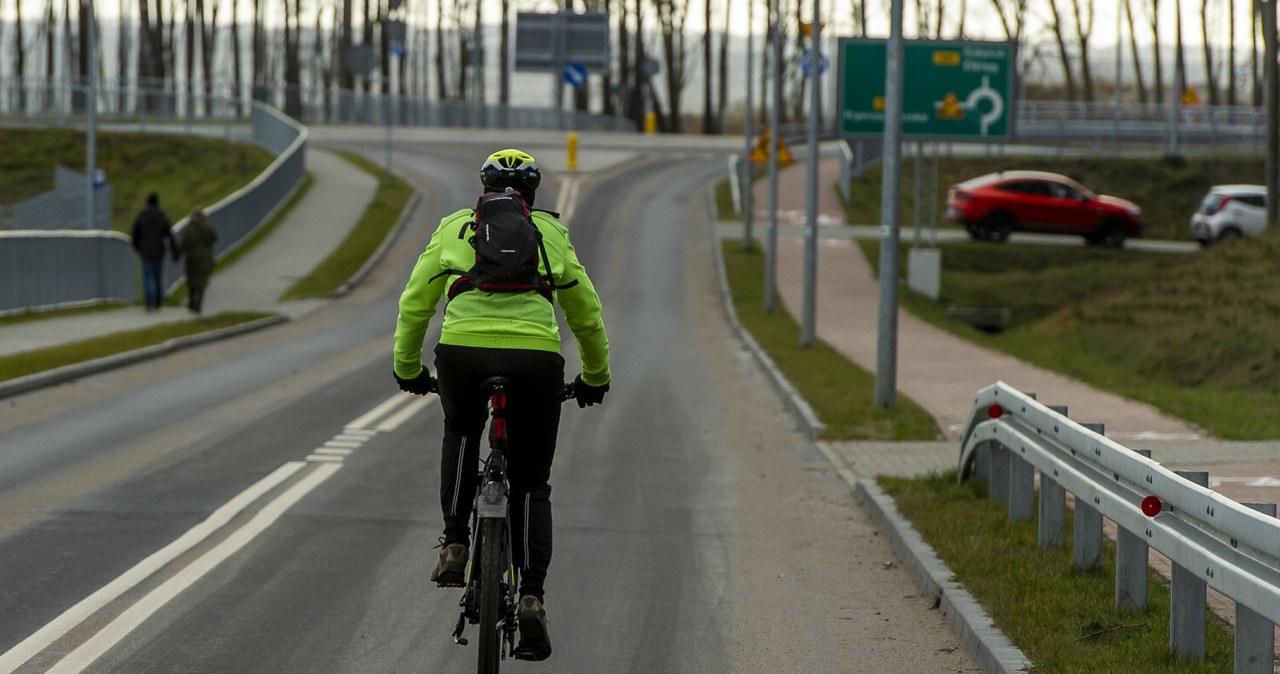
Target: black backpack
x=508, y=249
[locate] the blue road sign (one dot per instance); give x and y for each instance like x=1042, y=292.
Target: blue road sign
x=806, y=63
x=575, y=74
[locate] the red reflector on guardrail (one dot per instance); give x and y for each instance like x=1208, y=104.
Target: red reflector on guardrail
x=995, y=411
x=1151, y=506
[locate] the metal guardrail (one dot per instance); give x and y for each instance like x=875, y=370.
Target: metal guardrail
x=49, y=269
x=1209, y=539
x=59, y=101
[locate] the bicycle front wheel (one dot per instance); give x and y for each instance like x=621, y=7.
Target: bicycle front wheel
x=493, y=563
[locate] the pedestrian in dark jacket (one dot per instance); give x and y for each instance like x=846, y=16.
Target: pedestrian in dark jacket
x=151, y=229
x=198, y=238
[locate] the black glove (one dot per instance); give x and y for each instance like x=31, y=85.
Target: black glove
x=420, y=385
x=586, y=394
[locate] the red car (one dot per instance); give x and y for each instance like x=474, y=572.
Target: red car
x=992, y=206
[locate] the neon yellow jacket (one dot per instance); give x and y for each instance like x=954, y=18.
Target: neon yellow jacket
x=500, y=320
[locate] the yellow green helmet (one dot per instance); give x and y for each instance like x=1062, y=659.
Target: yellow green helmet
x=512, y=168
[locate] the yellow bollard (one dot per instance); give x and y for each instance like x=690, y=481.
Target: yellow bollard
x=571, y=163
x=650, y=122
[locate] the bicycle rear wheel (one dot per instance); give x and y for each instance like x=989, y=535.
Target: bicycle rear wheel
x=493, y=565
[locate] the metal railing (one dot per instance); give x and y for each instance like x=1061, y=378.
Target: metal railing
x=60, y=101
x=1210, y=540
x=48, y=269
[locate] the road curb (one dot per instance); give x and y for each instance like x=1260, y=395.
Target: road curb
x=993, y=651
x=69, y=372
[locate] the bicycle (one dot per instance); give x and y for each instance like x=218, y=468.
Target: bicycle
x=489, y=599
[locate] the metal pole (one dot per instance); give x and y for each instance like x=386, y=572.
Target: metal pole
x=771, y=251
x=91, y=120
x=748, y=207
x=1271, y=73
x=808, y=333
x=887, y=344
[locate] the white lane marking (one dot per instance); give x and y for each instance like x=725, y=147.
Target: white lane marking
x=128, y=621
x=393, y=422
x=72, y=617
x=355, y=437
x=320, y=458
x=385, y=407
x=339, y=451
x=567, y=198
x=345, y=444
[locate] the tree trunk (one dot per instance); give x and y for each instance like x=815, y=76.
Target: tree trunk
x=1133, y=51
x=442, y=85
x=1153, y=7
x=1060, y=38
x=722, y=102
x=237, y=74
x=292, y=67
x=1180, y=60
x=189, y=60
x=504, y=67
x=1084, y=26
x=1210, y=78
x=208, y=50
x=50, y=50
x=346, y=80
x=1232, y=82
x=708, y=100
x=20, y=59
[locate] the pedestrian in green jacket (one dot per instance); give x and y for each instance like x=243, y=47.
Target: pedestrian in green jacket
x=198, y=238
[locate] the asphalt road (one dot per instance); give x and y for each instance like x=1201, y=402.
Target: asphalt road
x=267, y=503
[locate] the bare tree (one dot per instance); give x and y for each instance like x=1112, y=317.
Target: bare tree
x=20, y=58
x=504, y=57
x=1083, y=11
x=1133, y=52
x=1231, y=53
x=1210, y=77
x=708, y=84
x=1179, y=54
x=671, y=18
x=858, y=9
x=1064, y=55
x=722, y=104
x=292, y=67
x=1152, y=9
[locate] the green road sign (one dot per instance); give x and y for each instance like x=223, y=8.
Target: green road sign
x=952, y=90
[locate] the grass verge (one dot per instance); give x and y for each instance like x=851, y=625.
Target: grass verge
x=40, y=360
x=1186, y=333
x=379, y=217
x=1064, y=620
x=841, y=393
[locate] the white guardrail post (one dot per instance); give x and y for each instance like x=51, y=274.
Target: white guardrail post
x=1210, y=540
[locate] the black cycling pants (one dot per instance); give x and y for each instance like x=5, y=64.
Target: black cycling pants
x=533, y=420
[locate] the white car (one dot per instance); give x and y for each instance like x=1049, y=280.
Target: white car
x=1229, y=212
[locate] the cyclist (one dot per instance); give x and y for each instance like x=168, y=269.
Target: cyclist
x=513, y=334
